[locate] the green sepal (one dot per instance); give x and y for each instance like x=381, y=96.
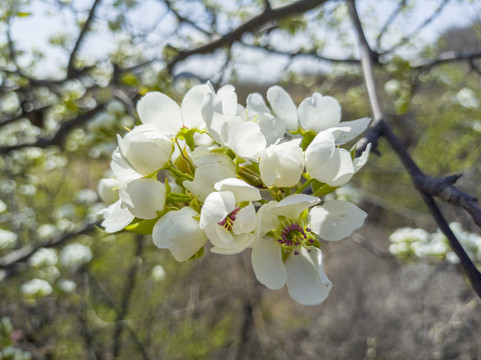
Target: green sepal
x=307, y=137
x=194, y=204
x=167, y=186
x=188, y=135
x=321, y=189
x=250, y=174
x=198, y=254
x=141, y=226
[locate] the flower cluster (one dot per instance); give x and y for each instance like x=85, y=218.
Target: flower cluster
x=418, y=244
x=211, y=171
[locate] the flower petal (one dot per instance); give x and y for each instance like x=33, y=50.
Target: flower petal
x=179, y=232
x=244, y=138
x=283, y=106
x=336, y=171
x=191, y=107
x=306, y=281
x=143, y=197
x=356, y=127
x=266, y=220
x=216, y=207
x=116, y=217
x=319, y=112
x=245, y=221
x=267, y=263
x=293, y=205
x=161, y=111
x=242, y=242
x=241, y=190
x=336, y=219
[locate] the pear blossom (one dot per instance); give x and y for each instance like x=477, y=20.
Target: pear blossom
x=282, y=164
x=272, y=127
x=108, y=190
x=179, y=231
x=75, y=255
x=210, y=168
x=145, y=149
x=286, y=250
x=161, y=111
x=144, y=197
x=228, y=216
x=225, y=123
x=330, y=164
x=36, y=288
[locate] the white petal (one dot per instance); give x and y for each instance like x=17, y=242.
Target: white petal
x=191, y=107
x=306, y=281
x=116, y=217
x=244, y=138
x=360, y=161
x=121, y=169
x=180, y=233
x=108, y=190
x=241, y=190
x=282, y=165
x=319, y=112
x=283, y=106
x=336, y=219
x=245, y=221
x=267, y=263
x=216, y=207
x=266, y=220
x=146, y=149
x=143, y=197
x=242, y=242
x=255, y=103
x=161, y=111
x=272, y=128
x=320, y=149
x=229, y=100
x=356, y=127
x=293, y=205
x=336, y=171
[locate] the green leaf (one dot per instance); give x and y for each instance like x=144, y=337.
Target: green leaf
x=321, y=189
x=198, y=254
x=22, y=14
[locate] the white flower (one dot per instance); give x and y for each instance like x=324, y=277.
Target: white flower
x=228, y=223
x=210, y=168
x=179, y=231
x=7, y=239
x=283, y=106
x=145, y=149
x=43, y=257
x=162, y=112
x=75, y=255
x=319, y=113
x=286, y=250
x=330, y=164
x=282, y=165
x=272, y=127
x=223, y=119
x=108, y=189
x=116, y=217
x=144, y=197
x=37, y=288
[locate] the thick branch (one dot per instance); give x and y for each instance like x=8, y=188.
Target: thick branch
x=83, y=32
x=419, y=179
x=59, y=137
x=250, y=26
x=26, y=252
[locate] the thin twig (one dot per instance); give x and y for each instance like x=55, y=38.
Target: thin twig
x=421, y=182
x=85, y=28
x=267, y=16
x=389, y=21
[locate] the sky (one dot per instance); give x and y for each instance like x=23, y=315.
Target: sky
x=34, y=31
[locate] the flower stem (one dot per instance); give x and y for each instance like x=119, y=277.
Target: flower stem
x=178, y=173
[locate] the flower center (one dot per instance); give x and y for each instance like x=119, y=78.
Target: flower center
x=228, y=222
x=293, y=236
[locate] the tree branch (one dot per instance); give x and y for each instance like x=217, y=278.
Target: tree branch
x=424, y=184
x=59, y=137
x=267, y=16
x=71, y=71
x=26, y=252
x=443, y=58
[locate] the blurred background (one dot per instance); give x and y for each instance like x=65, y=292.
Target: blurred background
x=71, y=72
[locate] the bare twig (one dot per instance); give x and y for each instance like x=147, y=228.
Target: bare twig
x=426, y=186
x=389, y=22
x=267, y=16
x=421, y=26
x=183, y=19
x=443, y=58
x=71, y=71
